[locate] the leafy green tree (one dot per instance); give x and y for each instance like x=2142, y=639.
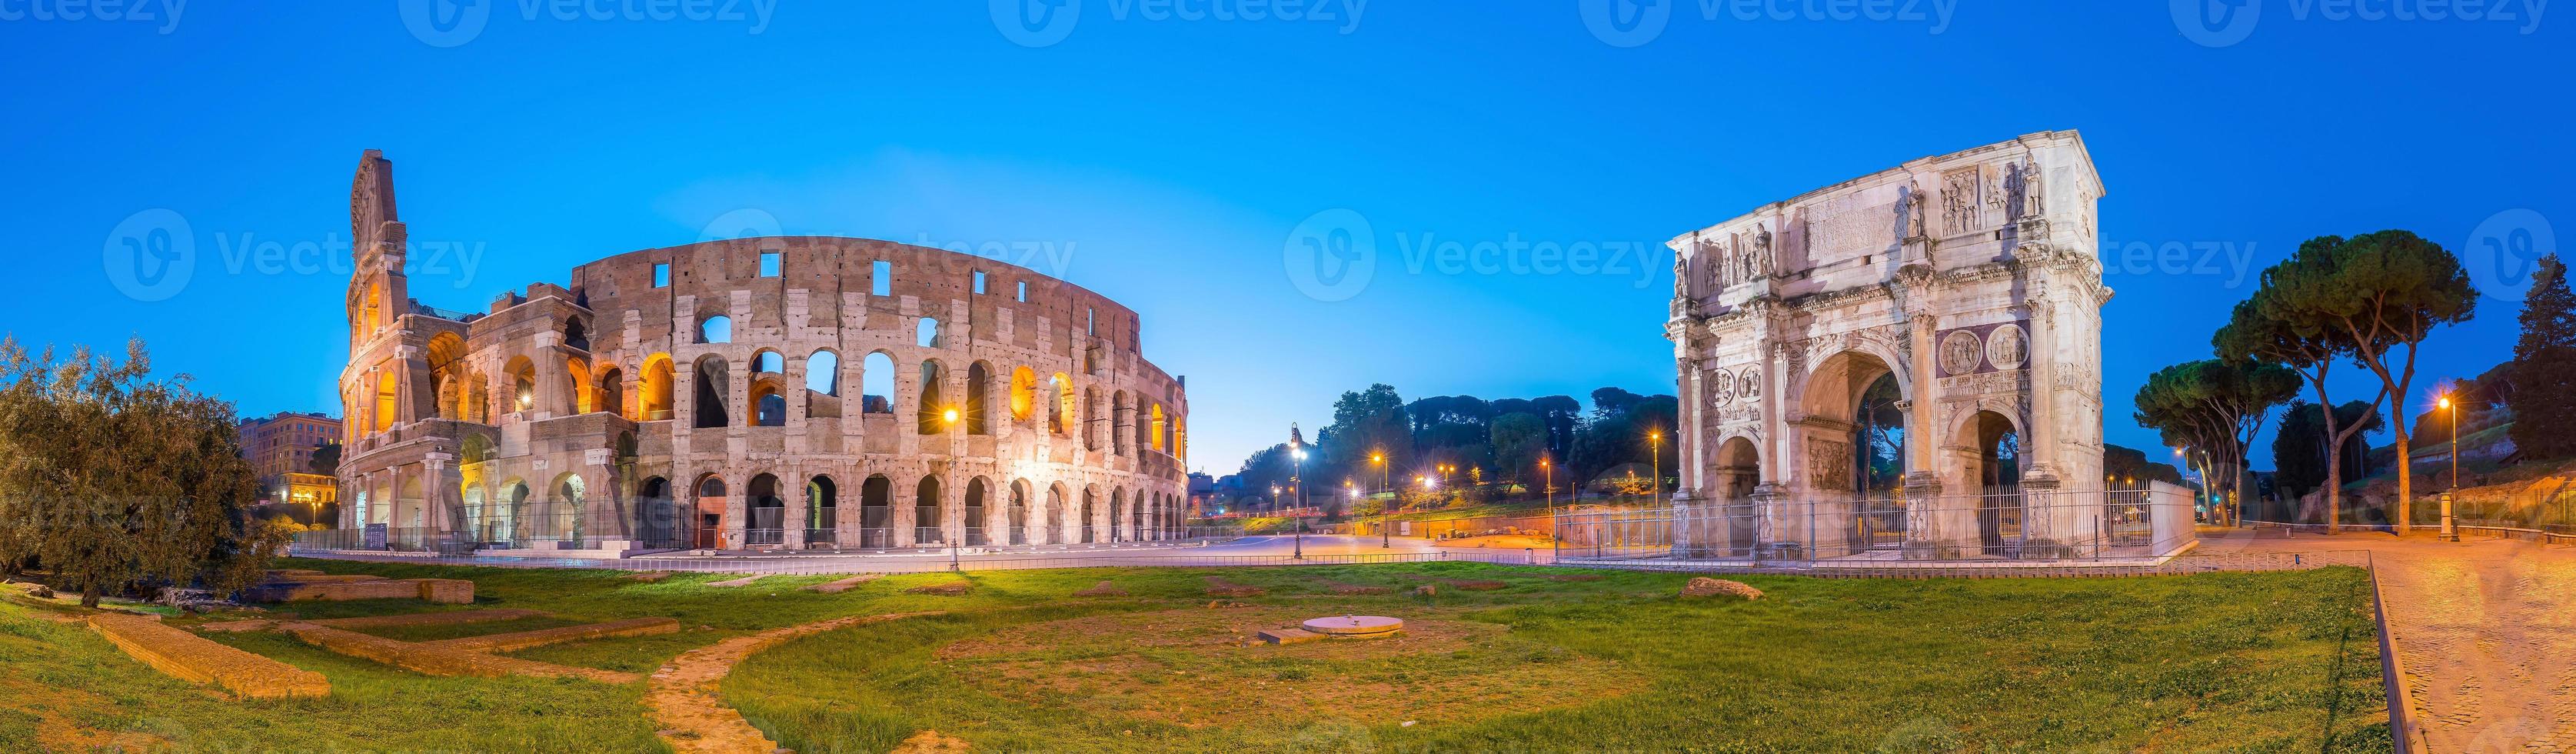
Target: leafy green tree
x=2381, y=294
x=2280, y=323
x=2298, y=448
x=111, y=479
x=2543, y=395
x=325, y=460
x=2215, y=407
x=1365, y=423
x=1519, y=440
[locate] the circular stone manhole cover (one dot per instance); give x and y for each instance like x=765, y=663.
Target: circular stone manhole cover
x=1355, y=625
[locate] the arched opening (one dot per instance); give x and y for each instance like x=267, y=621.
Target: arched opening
x=823, y=384
x=768, y=512
x=822, y=512
x=654, y=404
x=766, y=361
x=716, y=330
x=1051, y=516
x=876, y=512
x=446, y=359
x=925, y=513
x=572, y=501
x=506, y=528
x=612, y=391
x=876, y=384
x=657, y=520
x=709, y=406
x=1136, y=519
x=1024, y=394
x=1162, y=441
x=2000, y=507
x=709, y=521
x=928, y=333
x=522, y=374
x=1119, y=414
x=386, y=410
x=768, y=407
x=1065, y=410
x=1019, y=513
x=575, y=334
x=975, y=513
x=1738, y=471
x=477, y=513
x=932, y=412
x=1851, y=451
x=577, y=385
x=1089, y=507
x=979, y=378
x=1117, y=531
x=1878, y=440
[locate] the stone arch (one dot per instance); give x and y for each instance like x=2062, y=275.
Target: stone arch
x=768, y=400
x=510, y=511
x=612, y=391
x=1018, y=517
x=822, y=510
x=768, y=361
x=653, y=401
x=656, y=521
x=521, y=374
x=1117, y=514
x=1119, y=415
x=1065, y=418
x=1161, y=429
x=1024, y=394
x=713, y=379
x=476, y=513
x=708, y=514
x=716, y=329
x=877, y=383
x=577, y=386
x=933, y=404
x=1090, y=508
x=876, y=511
x=1988, y=459
x=1091, y=420
x=928, y=500
x=764, y=511
x=1056, y=513
x=979, y=381
x=975, y=523
x=823, y=383
x=445, y=356
x=567, y=505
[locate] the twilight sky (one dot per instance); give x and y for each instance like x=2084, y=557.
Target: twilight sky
x=1165, y=156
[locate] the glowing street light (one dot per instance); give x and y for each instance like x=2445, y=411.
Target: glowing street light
x=2448, y=532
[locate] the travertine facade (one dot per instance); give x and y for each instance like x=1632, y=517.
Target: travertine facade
x=753, y=393
x=1967, y=283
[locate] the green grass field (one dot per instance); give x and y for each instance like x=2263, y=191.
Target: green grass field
x=2237, y=662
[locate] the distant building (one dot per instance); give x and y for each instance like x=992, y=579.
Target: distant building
x=280, y=450
x=1202, y=493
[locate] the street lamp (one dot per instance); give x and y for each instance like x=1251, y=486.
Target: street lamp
x=1655, y=440
x=950, y=417
x=1384, y=538
x=2448, y=531
x=1550, y=472
x=1297, y=481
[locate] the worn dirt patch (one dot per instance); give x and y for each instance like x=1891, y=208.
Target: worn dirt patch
x=1198, y=668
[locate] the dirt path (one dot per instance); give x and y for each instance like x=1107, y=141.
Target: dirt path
x=2487, y=630
x=682, y=694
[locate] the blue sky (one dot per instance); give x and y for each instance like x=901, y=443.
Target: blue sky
x=1165, y=160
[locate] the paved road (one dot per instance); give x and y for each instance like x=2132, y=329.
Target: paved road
x=1259, y=550
x=2487, y=629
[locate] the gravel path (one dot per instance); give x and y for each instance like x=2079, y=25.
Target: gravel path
x=683, y=697
x=2487, y=629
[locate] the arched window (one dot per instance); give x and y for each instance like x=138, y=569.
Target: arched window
x=823, y=384
x=1024, y=393
x=716, y=330
x=978, y=381
x=575, y=334
x=769, y=409
x=1063, y=421
x=928, y=333
x=934, y=402
x=768, y=513
x=612, y=391
x=712, y=383
x=822, y=511
x=707, y=519
x=577, y=385
x=925, y=512
x=386, y=409
x=876, y=512
x=654, y=404
x=768, y=362
x=523, y=384
x=1162, y=441
x=876, y=384
x=1091, y=419
x=975, y=536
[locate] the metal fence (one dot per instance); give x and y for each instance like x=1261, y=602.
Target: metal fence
x=2010, y=525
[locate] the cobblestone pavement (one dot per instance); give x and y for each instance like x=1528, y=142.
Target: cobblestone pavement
x=2487, y=631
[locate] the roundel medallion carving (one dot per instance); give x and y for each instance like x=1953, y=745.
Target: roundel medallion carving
x=2007, y=347
x=1748, y=385
x=1961, y=353
x=1721, y=389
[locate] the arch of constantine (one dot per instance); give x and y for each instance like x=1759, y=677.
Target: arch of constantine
x=759, y=393
x=1906, y=362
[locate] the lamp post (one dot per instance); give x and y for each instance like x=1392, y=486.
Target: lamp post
x=1297, y=483
x=2449, y=532
x=1549, y=471
x=950, y=416
x=1385, y=535
x=1655, y=443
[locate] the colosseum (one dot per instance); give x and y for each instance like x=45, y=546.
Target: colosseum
x=753, y=394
